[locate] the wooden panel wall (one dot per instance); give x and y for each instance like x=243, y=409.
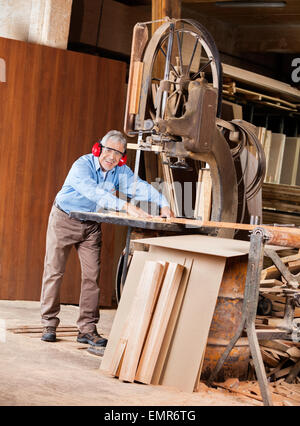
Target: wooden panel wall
x=53, y=106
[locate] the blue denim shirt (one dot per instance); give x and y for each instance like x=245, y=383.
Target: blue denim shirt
x=87, y=188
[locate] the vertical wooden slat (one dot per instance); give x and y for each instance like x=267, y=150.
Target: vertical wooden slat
x=141, y=312
x=203, y=195
x=159, y=323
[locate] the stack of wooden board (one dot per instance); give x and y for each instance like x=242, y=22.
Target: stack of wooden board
x=282, y=393
x=282, y=157
x=281, y=204
x=280, y=356
x=161, y=326
x=240, y=93
x=274, y=146
x=290, y=170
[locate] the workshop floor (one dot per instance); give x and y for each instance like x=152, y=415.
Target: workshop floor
x=33, y=372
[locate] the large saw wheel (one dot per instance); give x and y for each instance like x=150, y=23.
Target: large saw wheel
x=180, y=54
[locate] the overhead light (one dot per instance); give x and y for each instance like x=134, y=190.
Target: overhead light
x=250, y=4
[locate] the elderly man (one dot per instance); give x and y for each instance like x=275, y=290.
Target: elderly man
x=90, y=185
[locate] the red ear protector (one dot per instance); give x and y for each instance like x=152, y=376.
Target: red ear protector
x=96, y=151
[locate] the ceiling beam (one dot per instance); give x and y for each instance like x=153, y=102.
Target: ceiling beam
x=268, y=38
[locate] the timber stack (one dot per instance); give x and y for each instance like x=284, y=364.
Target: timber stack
x=281, y=357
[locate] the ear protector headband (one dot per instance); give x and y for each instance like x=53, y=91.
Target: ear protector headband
x=96, y=151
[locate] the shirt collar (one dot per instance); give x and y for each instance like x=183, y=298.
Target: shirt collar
x=97, y=166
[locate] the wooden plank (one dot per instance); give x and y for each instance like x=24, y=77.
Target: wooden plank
x=141, y=311
x=280, y=236
x=298, y=176
x=281, y=192
x=198, y=190
x=135, y=270
x=271, y=216
x=136, y=87
x=118, y=354
x=294, y=266
x=190, y=335
x=169, y=184
x=290, y=161
x=268, y=358
x=267, y=147
x=262, y=131
x=275, y=158
x=132, y=280
x=159, y=323
x=139, y=40
x=203, y=195
x=272, y=272
x=270, y=283
x=40, y=330
x=258, y=80
x=231, y=110
x=174, y=315
x=259, y=97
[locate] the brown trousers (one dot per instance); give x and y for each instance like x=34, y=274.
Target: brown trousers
x=62, y=233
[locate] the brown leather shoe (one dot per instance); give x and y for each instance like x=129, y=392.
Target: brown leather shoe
x=93, y=339
x=49, y=334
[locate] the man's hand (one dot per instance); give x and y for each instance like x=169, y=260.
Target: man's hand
x=132, y=210
x=166, y=212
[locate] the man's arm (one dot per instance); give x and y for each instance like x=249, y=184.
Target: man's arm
x=132, y=210
x=81, y=179
x=143, y=191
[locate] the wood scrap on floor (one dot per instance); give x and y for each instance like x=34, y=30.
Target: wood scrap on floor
x=37, y=330
x=282, y=393
x=281, y=357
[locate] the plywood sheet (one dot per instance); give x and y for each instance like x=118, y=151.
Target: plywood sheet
x=275, y=157
x=298, y=175
x=140, y=316
x=201, y=244
x=290, y=161
x=267, y=147
x=159, y=322
x=190, y=336
x=173, y=318
x=231, y=111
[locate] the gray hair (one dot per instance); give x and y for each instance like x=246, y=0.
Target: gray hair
x=115, y=136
